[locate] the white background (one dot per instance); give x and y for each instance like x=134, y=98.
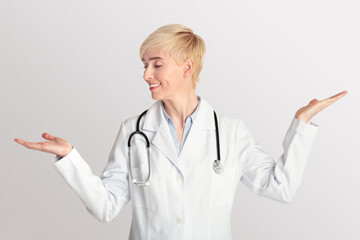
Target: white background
x=72, y=68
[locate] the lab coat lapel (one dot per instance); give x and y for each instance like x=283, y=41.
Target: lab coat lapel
x=156, y=122
x=204, y=121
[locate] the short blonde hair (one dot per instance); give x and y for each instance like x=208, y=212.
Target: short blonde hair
x=180, y=43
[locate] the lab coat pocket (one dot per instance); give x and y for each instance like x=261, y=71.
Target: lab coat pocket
x=222, y=188
x=139, y=193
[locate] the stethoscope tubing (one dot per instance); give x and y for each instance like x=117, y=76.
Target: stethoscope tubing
x=217, y=137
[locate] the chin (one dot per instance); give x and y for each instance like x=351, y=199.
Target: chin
x=156, y=96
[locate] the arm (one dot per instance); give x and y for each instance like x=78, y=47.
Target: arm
x=280, y=180
x=103, y=196
x=277, y=180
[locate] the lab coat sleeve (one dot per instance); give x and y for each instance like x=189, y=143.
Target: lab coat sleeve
x=103, y=196
x=266, y=177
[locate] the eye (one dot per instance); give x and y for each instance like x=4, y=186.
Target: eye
x=156, y=66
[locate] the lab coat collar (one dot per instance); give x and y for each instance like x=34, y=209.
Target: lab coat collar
x=154, y=117
x=155, y=121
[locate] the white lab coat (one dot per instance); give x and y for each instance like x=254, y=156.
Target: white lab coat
x=186, y=199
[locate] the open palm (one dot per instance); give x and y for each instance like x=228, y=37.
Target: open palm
x=315, y=106
x=55, y=145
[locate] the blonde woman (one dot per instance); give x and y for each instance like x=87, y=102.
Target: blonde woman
x=180, y=162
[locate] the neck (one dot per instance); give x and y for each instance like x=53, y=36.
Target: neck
x=180, y=108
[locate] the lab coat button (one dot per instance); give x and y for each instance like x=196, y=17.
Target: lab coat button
x=178, y=220
x=179, y=179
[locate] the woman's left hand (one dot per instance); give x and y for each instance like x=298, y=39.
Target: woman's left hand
x=306, y=113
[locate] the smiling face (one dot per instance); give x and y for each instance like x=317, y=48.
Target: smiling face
x=166, y=79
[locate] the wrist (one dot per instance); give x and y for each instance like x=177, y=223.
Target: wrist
x=66, y=151
x=302, y=118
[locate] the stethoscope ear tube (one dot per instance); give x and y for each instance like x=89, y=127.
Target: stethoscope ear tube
x=139, y=132
x=134, y=180
x=142, y=134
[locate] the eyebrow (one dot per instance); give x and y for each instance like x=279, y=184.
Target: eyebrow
x=153, y=58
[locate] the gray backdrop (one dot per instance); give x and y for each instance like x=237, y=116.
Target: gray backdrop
x=71, y=68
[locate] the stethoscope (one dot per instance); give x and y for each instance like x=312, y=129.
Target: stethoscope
x=217, y=165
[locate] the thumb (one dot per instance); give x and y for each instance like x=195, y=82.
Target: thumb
x=314, y=101
x=48, y=136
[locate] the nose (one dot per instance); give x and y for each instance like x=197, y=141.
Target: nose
x=148, y=74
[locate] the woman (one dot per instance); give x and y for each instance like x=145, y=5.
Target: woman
x=187, y=195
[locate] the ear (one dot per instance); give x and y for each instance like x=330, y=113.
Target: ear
x=189, y=67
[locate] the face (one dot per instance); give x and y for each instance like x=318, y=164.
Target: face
x=163, y=75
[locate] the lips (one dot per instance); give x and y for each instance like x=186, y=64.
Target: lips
x=153, y=86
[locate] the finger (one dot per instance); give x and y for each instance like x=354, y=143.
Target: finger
x=20, y=141
x=23, y=142
x=48, y=136
x=30, y=145
x=314, y=101
x=332, y=99
x=338, y=96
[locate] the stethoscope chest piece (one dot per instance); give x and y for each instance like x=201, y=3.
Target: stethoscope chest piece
x=218, y=167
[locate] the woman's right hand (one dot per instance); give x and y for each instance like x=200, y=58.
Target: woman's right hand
x=55, y=145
